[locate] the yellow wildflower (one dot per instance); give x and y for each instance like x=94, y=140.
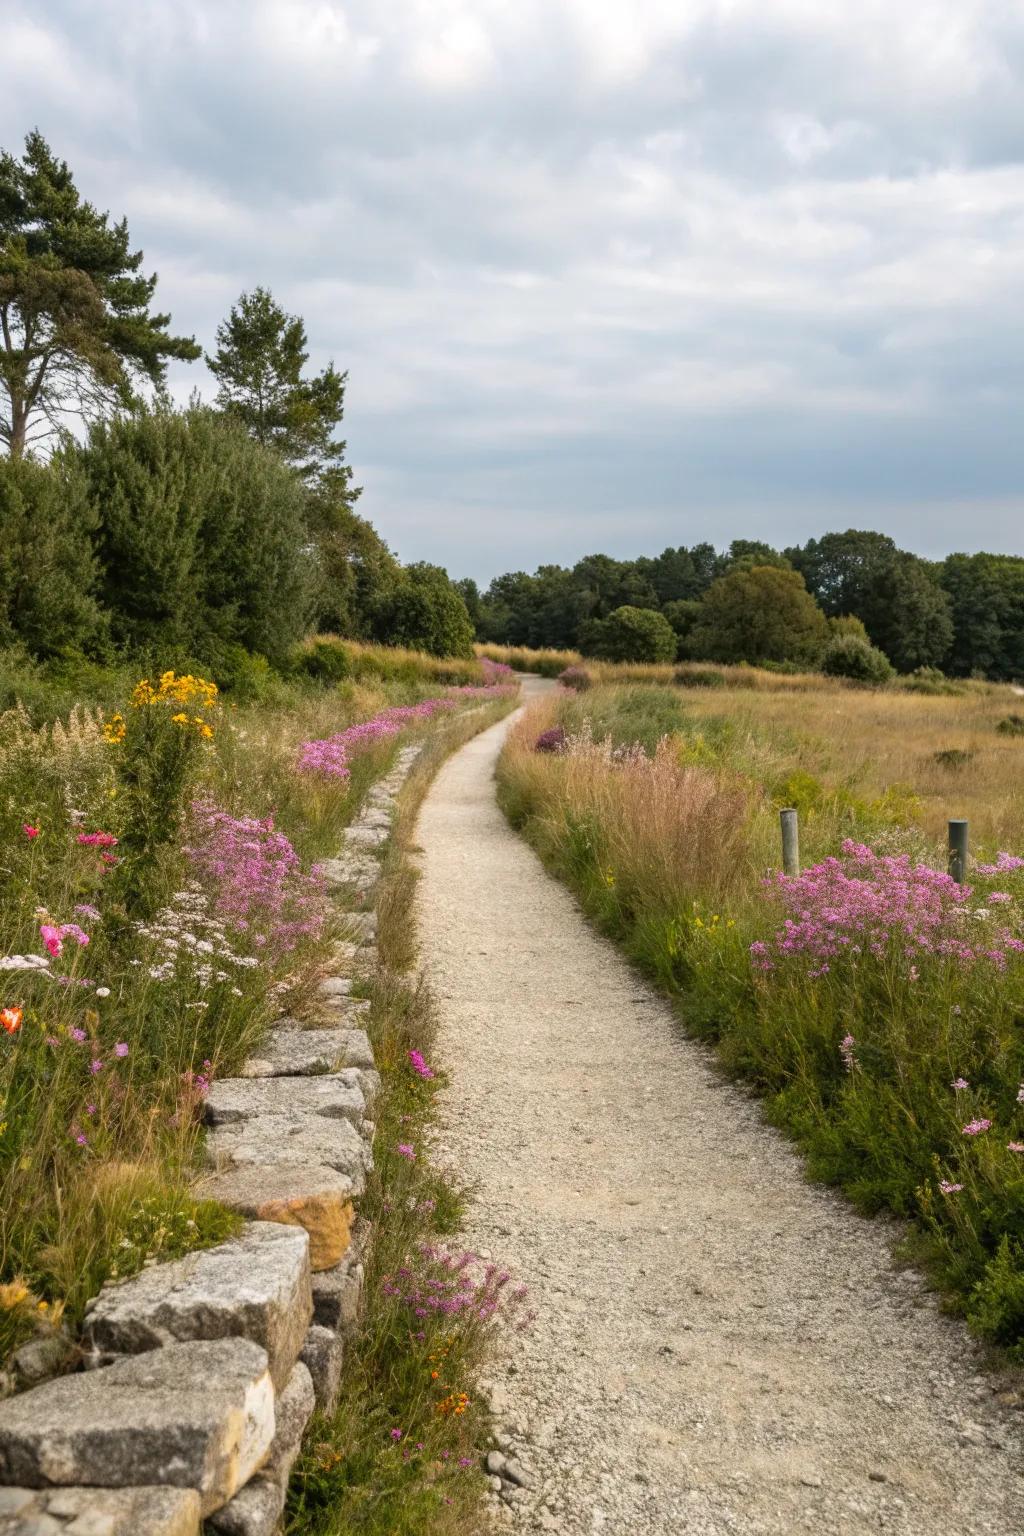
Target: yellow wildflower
x=114, y=729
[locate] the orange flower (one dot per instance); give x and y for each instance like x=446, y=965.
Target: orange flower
x=10, y=1018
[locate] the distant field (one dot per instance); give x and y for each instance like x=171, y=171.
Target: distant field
x=846, y=757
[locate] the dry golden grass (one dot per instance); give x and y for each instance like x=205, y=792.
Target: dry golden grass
x=667, y=826
x=871, y=742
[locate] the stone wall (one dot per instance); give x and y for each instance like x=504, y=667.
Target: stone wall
x=207, y=1369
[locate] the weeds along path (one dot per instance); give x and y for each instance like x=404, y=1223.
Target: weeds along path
x=719, y=1347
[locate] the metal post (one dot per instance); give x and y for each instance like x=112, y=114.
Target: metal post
x=958, y=851
x=790, y=842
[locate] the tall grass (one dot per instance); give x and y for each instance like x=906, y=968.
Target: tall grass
x=874, y=1004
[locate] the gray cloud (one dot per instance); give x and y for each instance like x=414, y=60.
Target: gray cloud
x=603, y=277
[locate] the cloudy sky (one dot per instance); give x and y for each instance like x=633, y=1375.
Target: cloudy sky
x=604, y=275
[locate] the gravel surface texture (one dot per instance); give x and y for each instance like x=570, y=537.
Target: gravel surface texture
x=719, y=1346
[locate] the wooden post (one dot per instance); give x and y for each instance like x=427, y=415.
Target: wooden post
x=958, y=851
x=790, y=842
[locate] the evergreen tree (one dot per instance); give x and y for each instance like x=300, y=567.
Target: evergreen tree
x=261, y=352
x=47, y=567
x=201, y=534
x=76, y=330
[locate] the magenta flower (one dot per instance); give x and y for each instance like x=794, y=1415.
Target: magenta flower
x=77, y=1034
x=396, y=1434
x=95, y=1066
x=405, y=1149
x=419, y=1066
x=949, y=1189
x=960, y=1084
x=50, y=936
x=121, y=1048
x=97, y=839
x=976, y=1127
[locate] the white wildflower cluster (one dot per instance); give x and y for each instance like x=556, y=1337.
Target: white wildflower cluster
x=25, y=963
x=184, y=932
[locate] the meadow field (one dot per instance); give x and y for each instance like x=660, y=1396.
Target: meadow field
x=874, y=1002
x=162, y=902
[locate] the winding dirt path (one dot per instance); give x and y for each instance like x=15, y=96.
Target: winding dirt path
x=719, y=1346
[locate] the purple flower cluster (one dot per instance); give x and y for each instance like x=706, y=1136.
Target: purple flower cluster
x=441, y=1284
x=496, y=673
x=329, y=756
x=552, y=740
x=871, y=904
x=255, y=877
x=418, y=1064
x=1005, y=864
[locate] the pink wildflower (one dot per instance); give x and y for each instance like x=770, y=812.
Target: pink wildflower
x=50, y=936
x=95, y=1066
x=121, y=1048
x=405, y=1149
x=419, y=1066
x=976, y=1127
x=1015, y=1146
x=949, y=1189
x=30, y=831
x=96, y=839
x=960, y=1084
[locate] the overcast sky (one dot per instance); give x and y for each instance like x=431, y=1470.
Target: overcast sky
x=605, y=275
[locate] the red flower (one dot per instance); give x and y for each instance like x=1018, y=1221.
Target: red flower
x=30, y=832
x=10, y=1018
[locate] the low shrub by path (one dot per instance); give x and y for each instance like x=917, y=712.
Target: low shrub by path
x=874, y=1003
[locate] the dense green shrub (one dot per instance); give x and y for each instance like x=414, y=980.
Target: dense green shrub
x=930, y=680
x=849, y=656
x=326, y=660
x=760, y=614
x=630, y=634
x=246, y=676
x=201, y=534
x=47, y=568
x=425, y=612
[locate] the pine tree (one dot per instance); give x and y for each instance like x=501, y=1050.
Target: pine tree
x=76, y=331
x=261, y=352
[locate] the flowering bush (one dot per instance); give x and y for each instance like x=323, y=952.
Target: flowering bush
x=157, y=760
x=255, y=877
x=884, y=906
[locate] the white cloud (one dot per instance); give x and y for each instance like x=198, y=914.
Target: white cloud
x=586, y=261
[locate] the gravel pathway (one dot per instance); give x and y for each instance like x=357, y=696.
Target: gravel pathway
x=719, y=1346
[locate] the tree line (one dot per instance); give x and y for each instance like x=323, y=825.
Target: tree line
x=129, y=524
x=963, y=615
